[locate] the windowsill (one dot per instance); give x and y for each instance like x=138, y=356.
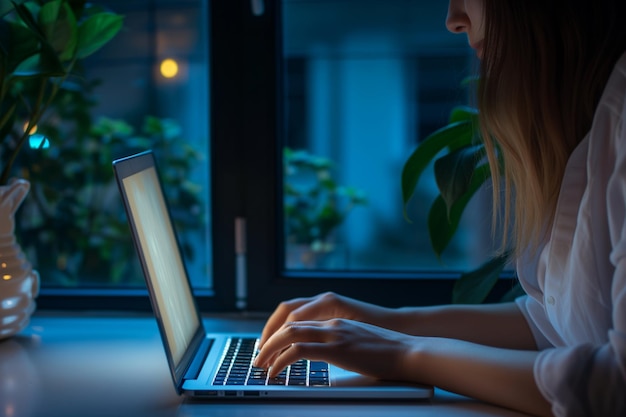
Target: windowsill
x=112, y=364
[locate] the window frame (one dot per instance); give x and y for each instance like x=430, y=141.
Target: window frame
x=261, y=109
x=246, y=92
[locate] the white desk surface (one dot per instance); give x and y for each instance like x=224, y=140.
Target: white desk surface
x=84, y=365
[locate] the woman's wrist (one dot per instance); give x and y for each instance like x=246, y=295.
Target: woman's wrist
x=414, y=359
x=404, y=320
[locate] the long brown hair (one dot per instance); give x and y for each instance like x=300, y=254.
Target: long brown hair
x=544, y=68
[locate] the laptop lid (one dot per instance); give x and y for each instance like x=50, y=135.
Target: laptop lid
x=159, y=253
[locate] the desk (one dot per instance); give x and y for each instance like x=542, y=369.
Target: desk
x=114, y=366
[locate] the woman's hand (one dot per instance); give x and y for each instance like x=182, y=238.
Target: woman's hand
x=325, y=307
x=349, y=344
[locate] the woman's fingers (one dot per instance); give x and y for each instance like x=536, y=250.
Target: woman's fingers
x=320, y=307
x=279, y=317
x=295, y=352
x=281, y=340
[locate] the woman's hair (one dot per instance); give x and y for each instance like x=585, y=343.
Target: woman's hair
x=544, y=67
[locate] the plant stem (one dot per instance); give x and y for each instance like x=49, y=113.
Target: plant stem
x=36, y=115
x=37, y=112
x=7, y=116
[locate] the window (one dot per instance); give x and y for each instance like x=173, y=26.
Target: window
x=355, y=85
x=360, y=95
x=147, y=88
x=358, y=84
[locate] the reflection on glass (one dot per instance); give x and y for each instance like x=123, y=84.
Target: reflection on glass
x=315, y=207
x=361, y=93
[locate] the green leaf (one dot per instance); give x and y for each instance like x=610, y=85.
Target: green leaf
x=443, y=220
x=453, y=135
x=464, y=114
x=46, y=63
x=6, y=7
x=474, y=287
x=24, y=43
x=49, y=13
x=26, y=15
x=96, y=31
x=59, y=26
x=454, y=172
x=440, y=228
x=515, y=291
x=472, y=79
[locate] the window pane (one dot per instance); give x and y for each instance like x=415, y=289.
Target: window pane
x=147, y=88
x=366, y=82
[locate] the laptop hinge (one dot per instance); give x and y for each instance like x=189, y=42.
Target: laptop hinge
x=241, y=274
x=196, y=365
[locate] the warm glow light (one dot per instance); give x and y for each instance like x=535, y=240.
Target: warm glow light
x=32, y=129
x=4, y=264
x=169, y=68
x=6, y=277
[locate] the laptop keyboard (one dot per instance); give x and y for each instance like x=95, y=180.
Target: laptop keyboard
x=237, y=368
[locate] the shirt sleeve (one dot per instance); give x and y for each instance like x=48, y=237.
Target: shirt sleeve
x=535, y=316
x=582, y=380
x=587, y=380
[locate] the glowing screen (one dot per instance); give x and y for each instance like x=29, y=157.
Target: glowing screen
x=162, y=257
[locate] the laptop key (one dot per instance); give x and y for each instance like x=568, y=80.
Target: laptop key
x=256, y=382
x=235, y=382
x=318, y=366
x=277, y=381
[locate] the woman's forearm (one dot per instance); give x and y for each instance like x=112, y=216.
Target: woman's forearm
x=499, y=325
x=495, y=375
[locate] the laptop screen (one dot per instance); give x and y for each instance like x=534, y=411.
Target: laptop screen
x=160, y=254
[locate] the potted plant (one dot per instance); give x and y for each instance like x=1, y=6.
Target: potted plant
x=460, y=169
x=81, y=237
x=41, y=44
x=315, y=206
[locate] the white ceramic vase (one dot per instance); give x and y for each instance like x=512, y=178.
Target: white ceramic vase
x=19, y=283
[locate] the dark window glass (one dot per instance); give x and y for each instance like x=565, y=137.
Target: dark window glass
x=147, y=88
x=365, y=82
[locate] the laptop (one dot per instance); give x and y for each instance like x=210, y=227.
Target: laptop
x=218, y=365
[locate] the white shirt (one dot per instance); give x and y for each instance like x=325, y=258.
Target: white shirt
x=576, y=285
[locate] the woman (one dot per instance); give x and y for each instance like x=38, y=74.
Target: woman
x=553, y=107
